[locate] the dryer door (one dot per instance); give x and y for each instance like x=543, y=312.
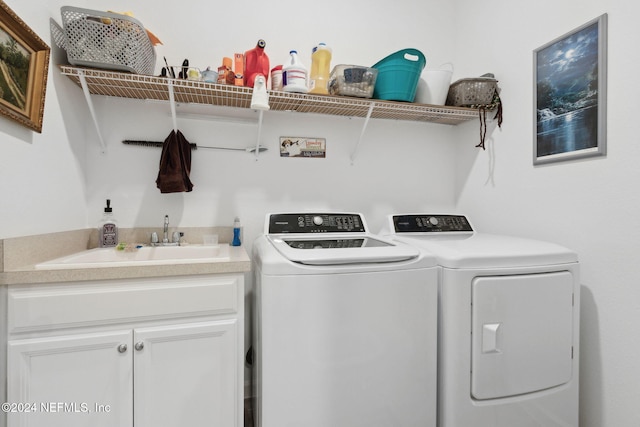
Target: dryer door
x=522, y=333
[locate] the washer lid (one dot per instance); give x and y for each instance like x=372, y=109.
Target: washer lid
x=337, y=249
x=332, y=239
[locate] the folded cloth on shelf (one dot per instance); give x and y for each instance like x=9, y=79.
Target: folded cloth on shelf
x=175, y=164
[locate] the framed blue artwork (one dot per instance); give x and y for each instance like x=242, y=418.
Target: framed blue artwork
x=570, y=93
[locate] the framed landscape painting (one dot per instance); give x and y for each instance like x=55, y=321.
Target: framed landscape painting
x=570, y=76
x=24, y=64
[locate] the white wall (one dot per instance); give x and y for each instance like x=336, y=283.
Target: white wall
x=58, y=180
x=42, y=179
x=590, y=205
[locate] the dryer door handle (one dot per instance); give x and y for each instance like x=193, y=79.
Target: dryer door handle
x=490, y=337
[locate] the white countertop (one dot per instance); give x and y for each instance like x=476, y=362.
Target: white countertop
x=19, y=256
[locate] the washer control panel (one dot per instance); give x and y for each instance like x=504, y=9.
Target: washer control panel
x=426, y=223
x=315, y=223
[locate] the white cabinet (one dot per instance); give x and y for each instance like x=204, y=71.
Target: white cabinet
x=200, y=389
x=143, y=353
x=61, y=380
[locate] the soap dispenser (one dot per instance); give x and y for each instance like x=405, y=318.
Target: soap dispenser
x=108, y=229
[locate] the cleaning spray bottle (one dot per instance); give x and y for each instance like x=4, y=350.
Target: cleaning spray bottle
x=236, y=232
x=108, y=229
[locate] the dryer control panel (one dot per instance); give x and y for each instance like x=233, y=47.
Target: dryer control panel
x=427, y=223
x=315, y=223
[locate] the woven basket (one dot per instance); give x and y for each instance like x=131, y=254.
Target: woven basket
x=106, y=40
x=472, y=92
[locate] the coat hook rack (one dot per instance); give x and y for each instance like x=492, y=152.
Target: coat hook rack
x=159, y=144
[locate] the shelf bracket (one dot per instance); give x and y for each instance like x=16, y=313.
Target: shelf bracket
x=260, y=113
x=172, y=102
x=354, y=154
x=87, y=96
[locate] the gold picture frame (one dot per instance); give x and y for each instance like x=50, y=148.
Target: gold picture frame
x=24, y=65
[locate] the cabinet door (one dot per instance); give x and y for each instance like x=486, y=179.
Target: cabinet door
x=74, y=380
x=187, y=375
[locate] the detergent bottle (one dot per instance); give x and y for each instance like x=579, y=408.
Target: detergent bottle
x=294, y=75
x=320, y=64
x=256, y=63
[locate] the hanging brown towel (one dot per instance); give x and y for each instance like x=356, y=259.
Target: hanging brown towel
x=175, y=164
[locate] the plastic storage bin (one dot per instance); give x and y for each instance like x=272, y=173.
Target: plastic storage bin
x=472, y=92
x=106, y=40
x=352, y=80
x=398, y=75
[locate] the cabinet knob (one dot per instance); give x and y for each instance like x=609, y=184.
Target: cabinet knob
x=139, y=346
x=122, y=348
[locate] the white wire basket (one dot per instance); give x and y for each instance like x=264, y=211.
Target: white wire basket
x=105, y=40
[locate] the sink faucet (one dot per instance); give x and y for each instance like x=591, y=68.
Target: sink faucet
x=165, y=238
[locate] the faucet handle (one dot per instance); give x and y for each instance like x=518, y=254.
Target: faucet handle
x=176, y=237
x=154, y=237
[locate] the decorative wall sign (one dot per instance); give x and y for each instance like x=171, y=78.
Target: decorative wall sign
x=569, y=97
x=295, y=146
x=24, y=63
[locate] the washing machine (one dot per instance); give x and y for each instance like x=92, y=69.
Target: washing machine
x=508, y=324
x=345, y=330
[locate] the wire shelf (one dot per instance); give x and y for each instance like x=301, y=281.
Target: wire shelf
x=138, y=86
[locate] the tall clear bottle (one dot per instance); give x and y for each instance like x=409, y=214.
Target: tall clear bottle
x=294, y=75
x=320, y=66
x=108, y=228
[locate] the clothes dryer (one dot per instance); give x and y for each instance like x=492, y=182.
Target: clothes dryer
x=508, y=324
x=345, y=330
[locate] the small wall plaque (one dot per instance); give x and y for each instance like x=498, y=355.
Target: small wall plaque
x=295, y=146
